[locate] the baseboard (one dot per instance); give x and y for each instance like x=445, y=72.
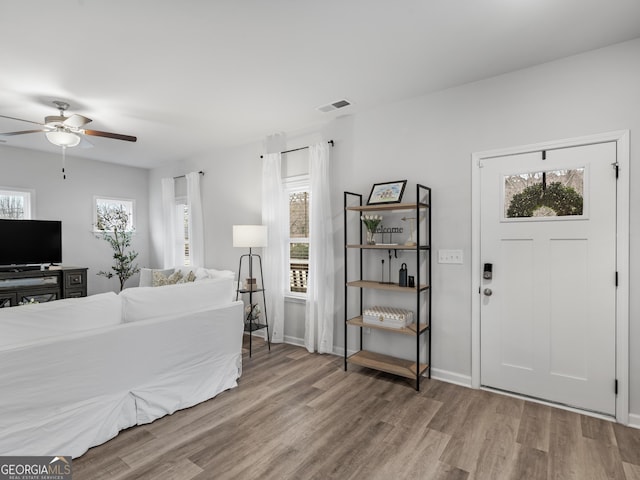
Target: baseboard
x=634, y=420
x=451, y=377
x=339, y=351
x=298, y=342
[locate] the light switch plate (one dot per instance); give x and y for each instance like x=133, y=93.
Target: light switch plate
x=450, y=256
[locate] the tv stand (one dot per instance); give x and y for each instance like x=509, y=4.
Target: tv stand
x=20, y=268
x=20, y=285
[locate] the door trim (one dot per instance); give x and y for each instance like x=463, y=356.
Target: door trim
x=621, y=138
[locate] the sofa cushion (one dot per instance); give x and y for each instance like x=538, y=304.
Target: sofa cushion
x=40, y=320
x=208, y=273
x=152, y=302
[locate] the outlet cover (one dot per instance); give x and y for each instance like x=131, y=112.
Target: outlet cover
x=450, y=256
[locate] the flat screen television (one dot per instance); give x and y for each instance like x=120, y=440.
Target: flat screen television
x=30, y=242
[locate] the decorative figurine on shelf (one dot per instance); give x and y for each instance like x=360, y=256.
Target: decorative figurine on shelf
x=252, y=311
x=371, y=222
x=410, y=242
x=402, y=275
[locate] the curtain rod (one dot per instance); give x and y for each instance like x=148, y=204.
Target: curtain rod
x=330, y=142
x=183, y=176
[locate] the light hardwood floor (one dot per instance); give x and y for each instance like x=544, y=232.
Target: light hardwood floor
x=300, y=416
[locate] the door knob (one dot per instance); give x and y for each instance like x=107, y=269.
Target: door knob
x=488, y=292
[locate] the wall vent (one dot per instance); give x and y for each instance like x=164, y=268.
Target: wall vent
x=334, y=106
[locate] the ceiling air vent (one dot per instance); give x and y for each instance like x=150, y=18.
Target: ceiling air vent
x=334, y=106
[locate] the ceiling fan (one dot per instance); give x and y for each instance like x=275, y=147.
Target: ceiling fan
x=65, y=131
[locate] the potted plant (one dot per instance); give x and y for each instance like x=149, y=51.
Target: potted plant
x=113, y=225
x=371, y=222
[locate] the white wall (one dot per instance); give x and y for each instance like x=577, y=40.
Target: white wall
x=71, y=201
x=430, y=140
x=231, y=195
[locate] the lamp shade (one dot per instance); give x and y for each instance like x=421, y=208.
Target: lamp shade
x=250, y=236
x=63, y=139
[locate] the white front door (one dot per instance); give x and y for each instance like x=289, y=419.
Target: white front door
x=548, y=314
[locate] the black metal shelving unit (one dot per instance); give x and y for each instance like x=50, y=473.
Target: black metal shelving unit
x=421, y=328
x=250, y=323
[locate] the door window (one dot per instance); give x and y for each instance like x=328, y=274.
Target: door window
x=544, y=195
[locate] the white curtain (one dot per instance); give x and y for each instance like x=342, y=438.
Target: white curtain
x=320, y=284
x=196, y=222
x=169, y=221
x=274, y=255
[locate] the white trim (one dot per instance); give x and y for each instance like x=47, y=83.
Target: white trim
x=621, y=138
x=297, y=183
x=115, y=200
x=634, y=420
x=622, y=267
x=29, y=198
x=295, y=297
x=451, y=377
x=339, y=351
x=298, y=342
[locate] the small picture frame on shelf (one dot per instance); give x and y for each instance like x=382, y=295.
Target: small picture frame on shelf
x=388, y=192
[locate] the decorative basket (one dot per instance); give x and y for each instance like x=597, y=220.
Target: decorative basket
x=387, y=317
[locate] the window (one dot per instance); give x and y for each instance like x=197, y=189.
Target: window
x=544, y=195
x=105, y=204
x=297, y=190
x=15, y=204
x=182, y=231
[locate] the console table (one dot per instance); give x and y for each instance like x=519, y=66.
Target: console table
x=21, y=286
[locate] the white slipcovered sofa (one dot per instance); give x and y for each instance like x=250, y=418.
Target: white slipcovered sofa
x=75, y=372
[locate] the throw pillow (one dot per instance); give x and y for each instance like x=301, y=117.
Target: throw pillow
x=159, y=279
x=146, y=275
x=190, y=277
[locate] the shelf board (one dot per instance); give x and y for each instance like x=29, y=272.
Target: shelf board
x=387, y=247
x=246, y=290
x=387, y=206
x=386, y=363
x=392, y=287
x=408, y=330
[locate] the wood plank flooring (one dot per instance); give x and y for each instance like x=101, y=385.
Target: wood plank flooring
x=300, y=416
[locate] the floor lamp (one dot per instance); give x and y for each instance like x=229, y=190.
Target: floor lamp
x=252, y=236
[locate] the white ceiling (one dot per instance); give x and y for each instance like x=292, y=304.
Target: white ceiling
x=189, y=76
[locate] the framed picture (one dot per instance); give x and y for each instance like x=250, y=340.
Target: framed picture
x=389, y=192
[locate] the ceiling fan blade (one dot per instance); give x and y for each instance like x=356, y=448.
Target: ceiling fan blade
x=11, y=134
x=21, y=120
x=76, y=121
x=84, y=143
x=117, y=136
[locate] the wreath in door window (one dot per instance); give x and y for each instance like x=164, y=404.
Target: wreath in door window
x=536, y=200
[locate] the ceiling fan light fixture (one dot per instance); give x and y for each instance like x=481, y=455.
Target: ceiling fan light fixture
x=63, y=139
